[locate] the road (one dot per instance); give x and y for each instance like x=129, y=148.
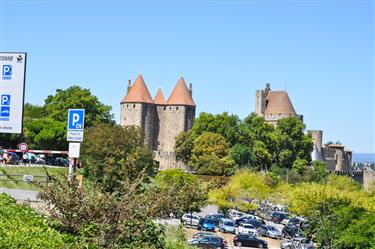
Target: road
x=21, y=194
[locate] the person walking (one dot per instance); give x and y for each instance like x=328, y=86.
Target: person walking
x=24, y=158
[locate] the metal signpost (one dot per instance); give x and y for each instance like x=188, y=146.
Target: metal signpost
x=76, y=124
x=12, y=91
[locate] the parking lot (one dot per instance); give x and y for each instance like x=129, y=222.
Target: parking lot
x=272, y=243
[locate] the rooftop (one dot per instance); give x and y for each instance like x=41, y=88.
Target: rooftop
x=278, y=102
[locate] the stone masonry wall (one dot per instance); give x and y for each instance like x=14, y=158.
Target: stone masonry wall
x=131, y=114
x=174, y=123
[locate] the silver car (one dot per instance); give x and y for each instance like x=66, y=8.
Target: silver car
x=190, y=220
x=270, y=231
x=227, y=226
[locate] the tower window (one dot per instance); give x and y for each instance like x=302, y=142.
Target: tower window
x=165, y=108
x=133, y=106
x=177, y=108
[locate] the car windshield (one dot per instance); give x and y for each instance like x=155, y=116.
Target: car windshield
x=248, y=226
x=228, y=223
x=272, y=228
x=209, y=221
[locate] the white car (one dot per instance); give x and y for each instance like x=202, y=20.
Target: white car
x=245, y=228
x=190, y=219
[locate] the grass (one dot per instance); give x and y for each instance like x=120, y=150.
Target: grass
x=39, y=173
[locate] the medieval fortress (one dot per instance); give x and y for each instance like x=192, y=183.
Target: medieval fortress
x=160, y=120
x=274, y=105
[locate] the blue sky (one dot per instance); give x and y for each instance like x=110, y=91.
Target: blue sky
x=321, y=52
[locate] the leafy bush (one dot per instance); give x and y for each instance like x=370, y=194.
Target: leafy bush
x=22, y=227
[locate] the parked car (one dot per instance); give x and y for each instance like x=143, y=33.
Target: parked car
x=252, y=216
x=255, y=222
x=11, y=158
x=206, y=224
x=248, y=240
x=198, y=236
x=269, y=231
x=235, y=214
x=190, y=219
x=297, y=243
x=293, y=221
x=218, y=242
x=227, y=226
x=290, y=231
x=35, y=159
x=277, y=217
x=245, y=228
x=215, y=217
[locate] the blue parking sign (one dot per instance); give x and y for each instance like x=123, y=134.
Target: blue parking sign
x=76, y=119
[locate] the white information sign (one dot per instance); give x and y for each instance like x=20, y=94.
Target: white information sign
x=12, y=87
x=74, y=149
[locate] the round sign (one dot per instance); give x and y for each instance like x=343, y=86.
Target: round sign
x=23, y=147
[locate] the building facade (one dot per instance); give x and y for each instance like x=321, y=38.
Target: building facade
x=160, y=120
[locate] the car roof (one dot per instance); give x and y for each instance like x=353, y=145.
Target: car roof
x=226, y=220
x=247, y=224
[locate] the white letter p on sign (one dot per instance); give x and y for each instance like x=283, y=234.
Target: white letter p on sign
x=75, y=120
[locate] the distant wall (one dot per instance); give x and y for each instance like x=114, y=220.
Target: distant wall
x=368, y=179
x=167, y=160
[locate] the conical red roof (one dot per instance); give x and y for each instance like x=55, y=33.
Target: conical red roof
x=159, y=98
x=138, y=93
x=180, y=95
x=279, y=103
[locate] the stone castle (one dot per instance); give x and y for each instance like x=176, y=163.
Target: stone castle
x=159, y=120
x=274, y=105
x=335, y=155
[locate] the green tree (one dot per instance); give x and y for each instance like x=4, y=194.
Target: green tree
x=223, y=124
x=56, y=106
x=45, y=133
x=112, y=153
x=300, y=166
x=263, y=158
x=211, y=164
x=209, y=150
x=33, y=111
x=210, y=143
x=183, y=147
x=244, y=185
x=185, y=193
x=242, y=155
x=293, y=143
x=319, y=171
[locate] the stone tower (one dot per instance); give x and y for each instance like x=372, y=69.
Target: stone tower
x=161, y=121
x=138, y=109
x=260, y=100
x=179, y=114
x=317, y=137
x=274, y=105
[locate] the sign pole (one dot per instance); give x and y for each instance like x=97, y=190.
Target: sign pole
x=76, y=123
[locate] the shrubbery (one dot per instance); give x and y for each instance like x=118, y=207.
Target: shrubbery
x=22, y=227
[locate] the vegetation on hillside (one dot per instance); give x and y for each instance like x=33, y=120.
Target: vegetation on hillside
x=220, y=144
